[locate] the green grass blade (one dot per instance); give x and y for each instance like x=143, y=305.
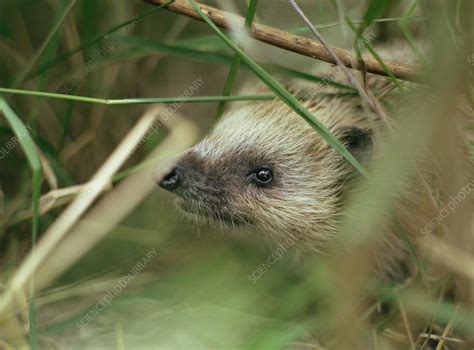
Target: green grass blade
x=192, y=99
x=53, y=95
x=374, y=10
x=49, y=52
x=192, y=54
x=252, y=8
x=129, y=101
x=50, y=152
x=406, y=31
x=376, y=56
x=177, y=50
x=28, y=146
x=306, y=76
x=203, y=42
x=22, y=76
x=195, y=99
x=98, y=38
x=284, y=95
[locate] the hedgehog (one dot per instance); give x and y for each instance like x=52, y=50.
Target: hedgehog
x=264, y=172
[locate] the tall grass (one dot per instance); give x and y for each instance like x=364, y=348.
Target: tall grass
x=75, y=264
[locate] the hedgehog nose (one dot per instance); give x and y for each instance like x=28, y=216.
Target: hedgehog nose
x=171, y=181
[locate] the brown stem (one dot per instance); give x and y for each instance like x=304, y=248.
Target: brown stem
x=291, y=42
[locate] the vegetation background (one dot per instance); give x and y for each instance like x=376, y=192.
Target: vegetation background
x=136, y=275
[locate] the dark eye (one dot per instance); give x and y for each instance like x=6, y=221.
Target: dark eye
x=261, y=176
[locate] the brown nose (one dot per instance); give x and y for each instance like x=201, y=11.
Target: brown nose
x=171, y=181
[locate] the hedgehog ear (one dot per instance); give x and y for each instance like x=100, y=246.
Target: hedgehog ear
x=358, y=142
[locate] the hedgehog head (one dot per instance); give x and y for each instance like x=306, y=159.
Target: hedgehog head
x=264, y=170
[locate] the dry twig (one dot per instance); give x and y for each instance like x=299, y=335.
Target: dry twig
x=291, y=42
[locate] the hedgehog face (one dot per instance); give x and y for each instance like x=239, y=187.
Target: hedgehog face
x=218, y=190
x=264, y=169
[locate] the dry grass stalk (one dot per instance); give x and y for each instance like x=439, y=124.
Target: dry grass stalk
x=58, y=230
x=87, y=232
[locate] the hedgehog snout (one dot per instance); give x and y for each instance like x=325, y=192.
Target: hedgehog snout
x=183, y=177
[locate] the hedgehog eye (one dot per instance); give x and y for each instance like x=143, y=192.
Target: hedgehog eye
x=261, y=176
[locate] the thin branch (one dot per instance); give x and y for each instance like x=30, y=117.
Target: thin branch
x=291, y=42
